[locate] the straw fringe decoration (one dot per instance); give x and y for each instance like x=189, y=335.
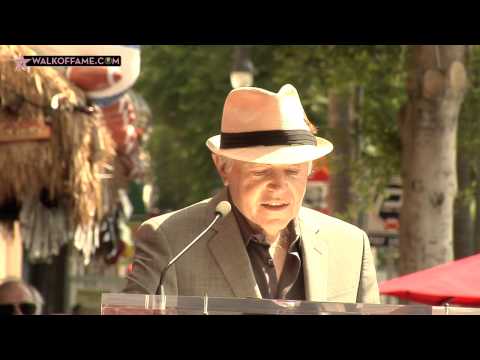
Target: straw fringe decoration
x=69, y=163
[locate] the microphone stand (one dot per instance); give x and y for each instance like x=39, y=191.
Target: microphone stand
x=163, y=297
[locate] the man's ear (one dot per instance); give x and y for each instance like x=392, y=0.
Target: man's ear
x=220, y=165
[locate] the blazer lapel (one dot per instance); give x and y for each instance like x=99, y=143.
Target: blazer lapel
x=228, y=249
x=315, y=255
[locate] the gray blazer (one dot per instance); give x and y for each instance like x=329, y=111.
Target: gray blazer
x=338, y=264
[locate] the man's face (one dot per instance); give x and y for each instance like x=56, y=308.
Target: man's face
x=269, y=196
x=15, y=294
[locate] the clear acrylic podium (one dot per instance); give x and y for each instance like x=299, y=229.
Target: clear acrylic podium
x=138, y=304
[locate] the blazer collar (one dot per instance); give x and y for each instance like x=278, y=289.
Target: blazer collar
x=228, y=249
x=315, y=259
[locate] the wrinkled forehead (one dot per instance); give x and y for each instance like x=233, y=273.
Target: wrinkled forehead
x=14, y=293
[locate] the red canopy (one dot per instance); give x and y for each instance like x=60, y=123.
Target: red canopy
x=456, y=282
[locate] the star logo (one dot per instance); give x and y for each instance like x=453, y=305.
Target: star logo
x=21, y=64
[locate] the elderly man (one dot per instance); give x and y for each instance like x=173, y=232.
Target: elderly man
x=268, y=246
x=17, y=298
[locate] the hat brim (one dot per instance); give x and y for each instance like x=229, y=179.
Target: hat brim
x=294, y=154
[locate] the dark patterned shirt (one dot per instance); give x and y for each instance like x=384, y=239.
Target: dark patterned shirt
x=291, y=285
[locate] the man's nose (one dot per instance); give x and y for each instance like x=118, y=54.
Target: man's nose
x=276, y=180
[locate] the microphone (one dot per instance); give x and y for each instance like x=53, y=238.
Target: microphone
x=223, y=209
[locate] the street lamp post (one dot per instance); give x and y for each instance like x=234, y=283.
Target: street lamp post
x=242, y=70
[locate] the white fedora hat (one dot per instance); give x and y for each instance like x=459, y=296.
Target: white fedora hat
x=261, y=126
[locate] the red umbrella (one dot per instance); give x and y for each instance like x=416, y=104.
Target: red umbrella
x=456, y=282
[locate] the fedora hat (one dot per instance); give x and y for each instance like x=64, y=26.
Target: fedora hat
x=261, y=126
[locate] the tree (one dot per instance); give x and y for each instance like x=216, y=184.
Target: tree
x=341, y=122
x=463, y=220
x=323, y=73
x=428, y=128
x=186, y=86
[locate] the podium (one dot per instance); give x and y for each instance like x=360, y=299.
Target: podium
x=139, y=304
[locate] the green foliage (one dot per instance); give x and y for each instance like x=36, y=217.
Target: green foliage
x=187, y=85
x=378, y=70
x=469, y=122
x=469, y=125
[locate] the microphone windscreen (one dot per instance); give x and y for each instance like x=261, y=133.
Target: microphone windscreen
x=223, y=208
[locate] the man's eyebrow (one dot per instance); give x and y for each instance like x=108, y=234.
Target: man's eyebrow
x=258, y=168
